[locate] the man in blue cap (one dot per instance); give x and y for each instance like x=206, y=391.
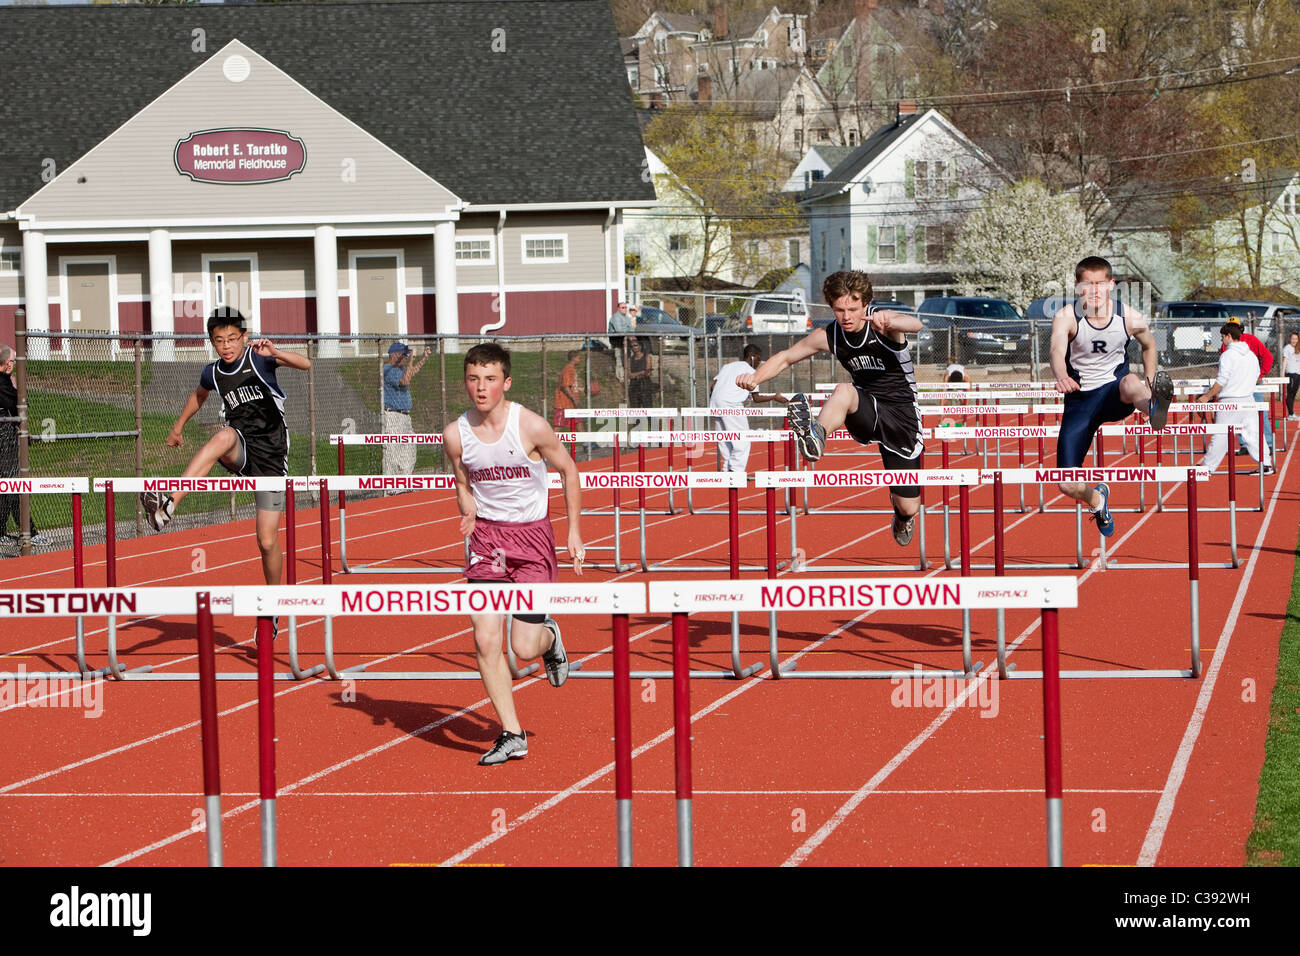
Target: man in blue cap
x=399, y=459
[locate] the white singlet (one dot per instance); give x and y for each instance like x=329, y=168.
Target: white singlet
x=507, y=485
x=1095, y=353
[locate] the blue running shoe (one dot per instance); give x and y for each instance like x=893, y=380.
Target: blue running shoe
x=1105, y=520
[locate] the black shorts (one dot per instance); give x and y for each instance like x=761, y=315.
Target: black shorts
x=259, y=457
x=896, y=427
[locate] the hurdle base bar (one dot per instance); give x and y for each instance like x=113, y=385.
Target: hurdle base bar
x=297, y=672
x=1094, y=674
x=380, y=569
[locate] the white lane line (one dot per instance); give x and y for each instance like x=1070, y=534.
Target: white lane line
x=830, y=826
x=1165, y=808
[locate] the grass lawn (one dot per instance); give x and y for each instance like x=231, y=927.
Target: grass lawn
x=1275, y=839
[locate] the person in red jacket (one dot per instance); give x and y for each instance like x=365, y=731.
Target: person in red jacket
x=1265, y=366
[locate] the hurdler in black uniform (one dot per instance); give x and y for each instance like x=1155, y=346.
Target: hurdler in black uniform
x=881, y=404
x=254, y=440
x=252, y=403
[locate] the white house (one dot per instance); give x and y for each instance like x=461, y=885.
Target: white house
x=891, y=207
x=816, y=163
x=669, y=239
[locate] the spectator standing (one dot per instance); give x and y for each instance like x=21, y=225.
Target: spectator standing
x=1291, y=356
x=399, y=459
x=566, y=393
x=9, y=504
x=621, y=323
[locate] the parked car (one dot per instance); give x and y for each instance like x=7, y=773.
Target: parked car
x=973, y=329
x=662, y=331
x=1262, y=318
x=1187, y=333
x=776, y=313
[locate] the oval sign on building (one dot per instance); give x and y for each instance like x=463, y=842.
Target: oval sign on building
x=240, y=156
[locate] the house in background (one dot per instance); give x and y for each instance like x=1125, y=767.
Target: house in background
x=1261, y=221
x=159, y=161
x=668, y=241
x=892, y=206
x=816, y=163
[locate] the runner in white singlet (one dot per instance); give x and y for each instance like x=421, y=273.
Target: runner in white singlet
x=499, y=451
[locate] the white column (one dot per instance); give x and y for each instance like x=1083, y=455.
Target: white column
x=446, y=303
x=327, y=290
x=36, y=292
x=162, y=309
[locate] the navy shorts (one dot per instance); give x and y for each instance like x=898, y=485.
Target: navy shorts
x=1084, y=413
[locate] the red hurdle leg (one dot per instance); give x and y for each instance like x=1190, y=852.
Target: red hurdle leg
x=208, y=730
x=1052, y=734
x=78, y=547
x=266, y=737
x=623, y=738
x=1194, y=561
x=326, y=559
x=110, y=537
x=290, y=534
x=682, y=736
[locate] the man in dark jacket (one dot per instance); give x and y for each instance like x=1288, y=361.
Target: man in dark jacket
x=9, y=446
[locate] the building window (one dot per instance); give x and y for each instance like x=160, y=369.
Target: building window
x=823, y=251
x=1288, y=203
x=823, y=135
x=679, y=242
x=762, y=39
x=933, y=178
x=474, y=252
x=544, y=249
x=661, y=43
x=934, y=251
x=798, y=105
x=753, y=248
x=1175, y=240
x=844, y=251
x=798, y=139
x=11, y=262
x=633, y=245
x=886, y=247
x=634, y=76
x=853, y=137
x=793, y=246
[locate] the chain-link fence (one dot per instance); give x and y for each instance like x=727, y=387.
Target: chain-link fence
x=102, y=406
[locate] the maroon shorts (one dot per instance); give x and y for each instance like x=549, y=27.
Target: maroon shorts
x=512, y=553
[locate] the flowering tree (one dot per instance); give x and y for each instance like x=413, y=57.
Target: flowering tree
x=1022, y=243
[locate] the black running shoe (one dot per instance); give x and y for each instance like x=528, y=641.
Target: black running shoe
x=807, y=433
x=1162, y=394
x=903, y=528
x=158, y=509
x=507, y=747
x=556, y=661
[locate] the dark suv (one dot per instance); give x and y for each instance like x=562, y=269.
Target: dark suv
x=973, y=329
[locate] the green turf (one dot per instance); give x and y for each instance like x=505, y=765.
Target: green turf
x=1275, y=838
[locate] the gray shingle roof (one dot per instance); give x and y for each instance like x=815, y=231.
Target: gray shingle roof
x=550, y=120
x=860, y=158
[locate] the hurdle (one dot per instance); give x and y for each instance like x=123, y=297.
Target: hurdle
x=1046, y=594
x=1193, y=565
x=152, y=602
x=617, y=600
x=62, y=486
x=864, y=478
x=438, y=482
x=616, y=439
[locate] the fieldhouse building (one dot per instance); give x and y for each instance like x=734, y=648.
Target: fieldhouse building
x=335, y=168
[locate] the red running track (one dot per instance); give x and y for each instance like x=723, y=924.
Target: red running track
x=801, y=772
